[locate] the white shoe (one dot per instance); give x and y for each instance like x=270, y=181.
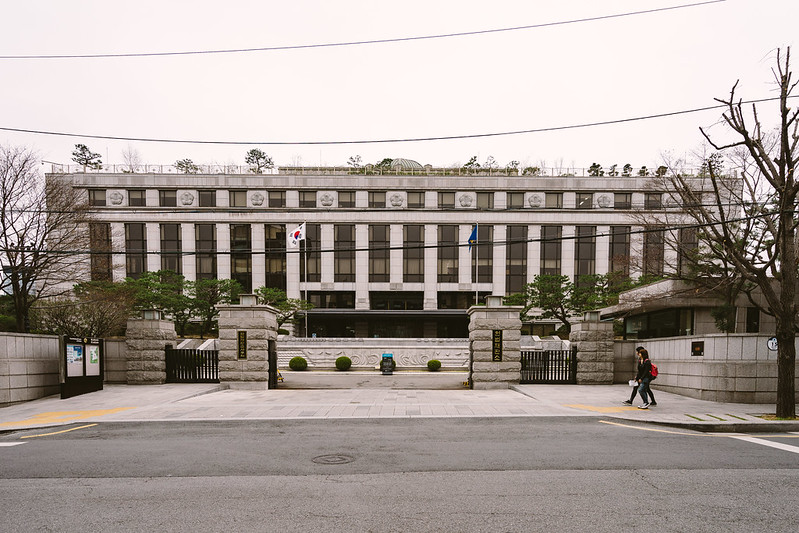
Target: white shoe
x=645, y=406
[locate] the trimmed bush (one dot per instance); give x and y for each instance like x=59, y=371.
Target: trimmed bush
x=298, y=363
x=433, y=365
x=343, y=363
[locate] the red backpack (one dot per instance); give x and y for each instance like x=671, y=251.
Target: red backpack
x=654, y=371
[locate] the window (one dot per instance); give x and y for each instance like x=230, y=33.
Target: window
x=516, y=259
x=312, y=256
x=447, y=254
x=550, y=250
x=446, y=199
x=135, y=250
x=554, y=200
x=689, y=243
x=620, y=249
x=100, y=246
x=379, y=261
x=137, y=197
x=485, y=200
x=344, y=252
x=275, y=250
x=205, y=246
x=412, y=253
x=653, y=200
x=482, y=254
x=171, y=248
x=622, y=200
x=653, y=252
x=377, y=199
x=346, y=198
x=396, y=300
x=752, y=320
x=584, y=252
x=307, y=198
x=515, y=200
x=415, y=199
x=238, y=198
x=585, y=200
x=206, y=198
x=276, y=198
x=168, y=198
x=665, y=323
x=458, y=300
x=332, y=299
x=97, y=197
x=241, y=255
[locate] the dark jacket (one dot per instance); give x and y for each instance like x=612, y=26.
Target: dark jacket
x=644, y=370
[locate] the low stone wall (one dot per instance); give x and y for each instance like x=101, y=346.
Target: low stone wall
x=735, y=368
x=367, y=352
x=29, y=367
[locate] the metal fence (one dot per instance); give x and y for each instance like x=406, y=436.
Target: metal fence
x=549, y=366
x=192, y=366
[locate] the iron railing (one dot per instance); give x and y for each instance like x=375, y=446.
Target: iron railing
x=549, y=366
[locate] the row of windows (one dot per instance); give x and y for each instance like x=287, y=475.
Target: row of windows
x=376, y=199
x=448, y=266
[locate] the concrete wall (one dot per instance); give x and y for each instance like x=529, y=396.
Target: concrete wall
x=734, y=368
x=28, y=367
x=116, y=361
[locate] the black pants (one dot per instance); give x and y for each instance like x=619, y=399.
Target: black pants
x=635, y=391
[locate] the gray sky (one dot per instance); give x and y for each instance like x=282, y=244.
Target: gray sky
x=545, y=77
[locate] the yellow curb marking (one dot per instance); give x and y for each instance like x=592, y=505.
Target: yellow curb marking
x=603, y=409
x=63, y=416
x=57, y=432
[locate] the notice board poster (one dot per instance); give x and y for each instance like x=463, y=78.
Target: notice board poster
x=92, y=359
x=74, y=360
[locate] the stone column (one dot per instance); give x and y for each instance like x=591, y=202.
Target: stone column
x=146, y=339
x=494, y=345
x=245, y=331
x=594, y=342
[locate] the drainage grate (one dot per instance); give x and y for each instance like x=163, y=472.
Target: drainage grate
x=333, y=459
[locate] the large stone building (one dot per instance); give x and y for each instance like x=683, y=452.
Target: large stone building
x=386, y=254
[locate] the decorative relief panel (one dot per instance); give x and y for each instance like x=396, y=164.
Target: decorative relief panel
x=396, y=200
x=326, y=199
x=116, y=198
x=535, y=200
x=466, y=200
x=257, y=199
x=186, y=198
x=604, y=200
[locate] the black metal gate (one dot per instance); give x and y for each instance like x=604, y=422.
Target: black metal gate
x=549, y=366
x=192, y=366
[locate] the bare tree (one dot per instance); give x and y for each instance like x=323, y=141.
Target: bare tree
x=132, y=159
x=746, y=221
x=43, y=224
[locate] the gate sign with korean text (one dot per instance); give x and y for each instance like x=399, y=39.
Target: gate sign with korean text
x=496, y=347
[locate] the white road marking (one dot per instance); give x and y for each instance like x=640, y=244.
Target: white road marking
x=778, y=445
x=9, y=444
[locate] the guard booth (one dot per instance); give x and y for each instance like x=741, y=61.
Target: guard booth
x=81, y=366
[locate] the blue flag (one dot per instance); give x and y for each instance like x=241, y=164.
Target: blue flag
x=473, y=237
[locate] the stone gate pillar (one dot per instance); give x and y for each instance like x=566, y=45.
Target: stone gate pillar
x=494, y=345
x=594, y=342
x=146, y=338
x=245, y=331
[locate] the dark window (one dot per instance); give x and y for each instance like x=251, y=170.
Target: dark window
x=622, y=200
x=585, y=200
x=97, y=197
x=344, y=252
x=653, y=252
x=307, y=198
x=485, y=200
x=516, y=259
x=689, y=244
x=275, y=247
x=584, y=251
x=277, y=198
x=238, y=198
x=168, y=198
x=752, y=320
x=653, y=200
x=332, y=299
x=135, y=250
x=396, y=301
x=206, y=198
x=483, y=254
x=446, y=199
x=241, y=255
x=554, y=200
x=171, y=248
x=137, y=197
x=379, y=260
x=665, y=323
x=550, y=250
x=458, y=300
x=416, y=199
x=447, y=254
x=515, y=200
x=377, y=199
x=205, y=246
x=620, y=249
x=412, y=253
x=312, y=256
x=100, y=246
x=346, y=198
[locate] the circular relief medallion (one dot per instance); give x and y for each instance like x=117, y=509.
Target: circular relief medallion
x=603, y=200
x=187, y=198
x=535, y=200
x=326, y=199
x=466, y=200
x=396, y=200
x=116, y=198
x=257, y=199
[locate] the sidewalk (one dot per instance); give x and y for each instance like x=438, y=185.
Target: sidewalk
x=194, y=402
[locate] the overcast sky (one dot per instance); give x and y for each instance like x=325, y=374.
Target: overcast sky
x=552, y=76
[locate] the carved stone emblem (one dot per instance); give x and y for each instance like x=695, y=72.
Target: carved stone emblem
x=466, y=200
x=187, y=198
x=603, y=200
x=257, y=199
x=535, y=200
x=395, y=200
x=326, y=199
x=116, y=198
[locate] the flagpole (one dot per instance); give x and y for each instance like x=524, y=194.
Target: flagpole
x=476, y=262
x=305, y=282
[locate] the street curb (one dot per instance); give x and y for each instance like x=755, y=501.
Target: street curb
x=765, y=427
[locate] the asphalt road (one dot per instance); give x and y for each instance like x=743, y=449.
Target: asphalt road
x=497, y=474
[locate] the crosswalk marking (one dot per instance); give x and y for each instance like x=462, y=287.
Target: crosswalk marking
x=9, y=444
x=778, y=445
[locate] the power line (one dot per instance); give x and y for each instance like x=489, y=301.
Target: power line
x=360, y=43
x=397, y=140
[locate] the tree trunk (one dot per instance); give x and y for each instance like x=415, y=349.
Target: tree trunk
x=786, y=371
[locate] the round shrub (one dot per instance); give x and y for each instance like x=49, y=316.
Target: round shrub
x=298, y=363
x=433, y=365
x=343, y=363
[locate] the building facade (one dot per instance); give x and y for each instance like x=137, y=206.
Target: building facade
x=385, y=254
